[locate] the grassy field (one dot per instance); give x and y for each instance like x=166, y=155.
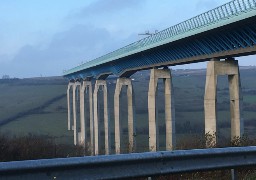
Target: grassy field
x=38, y=106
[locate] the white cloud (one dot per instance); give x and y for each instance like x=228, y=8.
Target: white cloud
x=66, y=50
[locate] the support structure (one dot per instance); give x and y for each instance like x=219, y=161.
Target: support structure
x=164, y=74
x=86, y=88
x=228, y=67
x=70, y=84
x=131, y=118
x=82, y=117
x=75, y=99
x=96, y=117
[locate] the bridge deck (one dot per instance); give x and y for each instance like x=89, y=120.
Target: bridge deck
x=227, y=14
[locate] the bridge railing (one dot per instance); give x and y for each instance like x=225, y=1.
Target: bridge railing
x=130, y=165
x=222, y=12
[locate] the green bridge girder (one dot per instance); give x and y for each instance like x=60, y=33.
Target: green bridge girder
x=231, y=12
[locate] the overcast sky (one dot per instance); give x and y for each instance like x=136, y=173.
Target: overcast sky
x=44, y=37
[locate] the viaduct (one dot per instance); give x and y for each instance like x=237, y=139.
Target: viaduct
x=217, y=36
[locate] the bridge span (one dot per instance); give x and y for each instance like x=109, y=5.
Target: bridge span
x=217, y=36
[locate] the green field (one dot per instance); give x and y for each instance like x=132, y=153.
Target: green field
x=38, y=106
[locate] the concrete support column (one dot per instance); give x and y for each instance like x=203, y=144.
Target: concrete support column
x=153, y=112
x=236, y=110
x=88, y=85
x=68, y=104
x=75, y=111
x=169, y=115
x=210, y=104
x=131, y=119
x=230, y=68
x=82, y=117
x=96, y=117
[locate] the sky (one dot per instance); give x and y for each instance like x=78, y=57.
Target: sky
x=43, y=38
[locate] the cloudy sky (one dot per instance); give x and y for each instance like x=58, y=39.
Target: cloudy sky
x=43, y=38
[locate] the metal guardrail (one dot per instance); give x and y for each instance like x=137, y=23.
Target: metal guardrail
x=220, y=13
x=130, y=165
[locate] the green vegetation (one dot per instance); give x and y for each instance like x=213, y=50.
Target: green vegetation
x=44, y=147
x=35, y=106
x=31, y=147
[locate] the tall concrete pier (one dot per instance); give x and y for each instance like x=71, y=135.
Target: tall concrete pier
x=70, y=123
x=83, y=134
x=164, y=74
x=131, y=115
x=86, y=89
x=88, y=86
x=79, y=90
x=75, y=100
x=228, y=67
x=103, y=84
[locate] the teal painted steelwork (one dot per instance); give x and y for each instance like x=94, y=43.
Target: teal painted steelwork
x=228, y=13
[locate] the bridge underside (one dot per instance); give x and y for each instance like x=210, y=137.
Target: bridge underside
x=232, y=40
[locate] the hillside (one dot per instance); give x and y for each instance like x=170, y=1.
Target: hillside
x=38, y=105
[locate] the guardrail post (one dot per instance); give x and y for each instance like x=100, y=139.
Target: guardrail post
x=131, y=116
x=230, y=68
x=234, y=175
x=153, y=111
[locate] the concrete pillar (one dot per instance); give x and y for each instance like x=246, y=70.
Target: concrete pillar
x=91, y=120
x=68, y=104
x=230, y=68
x=153, y=112
x=96, y=117
x=75, y=111
x=236, y=110
x=131, y=119
x=83, y=133
x=169, y=115
x=88, y=85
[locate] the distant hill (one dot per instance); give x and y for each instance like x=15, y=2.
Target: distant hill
x=38, y=105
